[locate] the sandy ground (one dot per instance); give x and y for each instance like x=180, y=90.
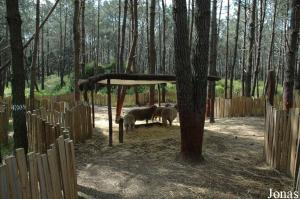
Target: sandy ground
x=145, y=165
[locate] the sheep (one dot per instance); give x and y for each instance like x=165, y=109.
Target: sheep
x=129, y=122
x=157, y=113
x=143, y=114
x=168, y=114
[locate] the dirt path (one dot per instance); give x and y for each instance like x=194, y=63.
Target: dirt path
x=145, y=167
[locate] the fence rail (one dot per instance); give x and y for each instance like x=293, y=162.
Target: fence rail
x=49, y=175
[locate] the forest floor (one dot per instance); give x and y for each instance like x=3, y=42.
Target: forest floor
x=145, y=166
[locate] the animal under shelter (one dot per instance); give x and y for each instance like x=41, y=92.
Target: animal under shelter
x=128, y=80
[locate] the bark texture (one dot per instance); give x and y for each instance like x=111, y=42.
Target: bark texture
x=152, y=51
x=291, y=55
x=76, y=34
x=191, y=81
x=251, y=51
x=18, y=75
x=212, y=61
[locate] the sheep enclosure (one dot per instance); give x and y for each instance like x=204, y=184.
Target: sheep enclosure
x=145, y=165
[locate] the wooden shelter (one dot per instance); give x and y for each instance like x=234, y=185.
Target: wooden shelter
x=114, y=79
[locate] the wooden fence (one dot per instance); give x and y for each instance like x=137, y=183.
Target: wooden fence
x=41, y=133
x=50, y=175
x=239, y=107
x=44, y=126
x=282, y=133
x=278, y=101
x=79, y=121
x=4, y=122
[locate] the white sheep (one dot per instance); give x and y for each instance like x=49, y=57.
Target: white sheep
x=129, y=122
x=168, y=114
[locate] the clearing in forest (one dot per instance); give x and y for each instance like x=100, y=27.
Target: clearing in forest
x=145, y=165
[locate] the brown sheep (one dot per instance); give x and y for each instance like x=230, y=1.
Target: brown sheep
x=168, y=114
x=143, y=113
x=129, y=122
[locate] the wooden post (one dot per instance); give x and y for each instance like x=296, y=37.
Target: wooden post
x=270, y=87
x=85, y=95
x=109, y=112
x=158, y=86
x=121, y=132
x=93, y=107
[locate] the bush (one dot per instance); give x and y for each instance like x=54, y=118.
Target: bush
x=89, y=70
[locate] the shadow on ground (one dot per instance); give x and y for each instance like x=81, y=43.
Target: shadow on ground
x=145, y=166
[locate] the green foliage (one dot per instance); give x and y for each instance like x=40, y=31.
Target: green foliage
x=99, y=69
x=52, y=85
x=89, y=70
x=110, y=68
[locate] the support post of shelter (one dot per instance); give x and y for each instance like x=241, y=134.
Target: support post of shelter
x=85, y=95
x=109, y=112
x=158, y=86
x=121, y=130
x=93, y=106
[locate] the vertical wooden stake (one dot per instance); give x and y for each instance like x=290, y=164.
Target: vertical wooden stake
x=109, y=112
x=121, y=131
x=158, y=94
x=93, y=107
x=270, y=86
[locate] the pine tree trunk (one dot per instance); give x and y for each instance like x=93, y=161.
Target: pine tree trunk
x=119, y=34
x=122, y=67
x=152, y=51
x=130, y=62
x=291, y=55
x=2, y=73
x=164, y=49
x=244, y=49
x=227, y=53
x=251, y=51
x=235, y=48
x=43, y=61
x=191, y=89
x=212, y=62
x=76, y=35
x=34, y=57
x=64, y=63
x=135, y=42
x=61, y=74
x=192, y=25
x=2, y=76
x=122, y=89
x=83, y=57
x=272, y=37
x=98, y=37
x=18, y=75
x=261, y=27
x=47, y=56
x=147, y=28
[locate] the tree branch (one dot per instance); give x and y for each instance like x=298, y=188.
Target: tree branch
x=41, y=25
x=32, y=37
